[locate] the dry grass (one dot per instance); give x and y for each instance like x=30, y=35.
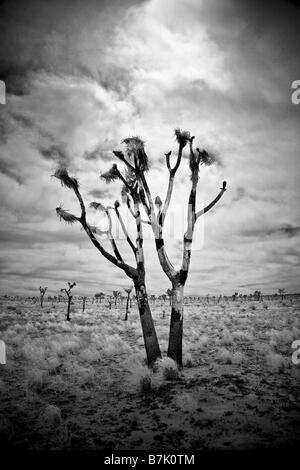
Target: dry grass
x=85, y=384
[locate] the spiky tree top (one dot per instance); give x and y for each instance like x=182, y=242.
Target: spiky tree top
x=66, y=180
x=68, y=291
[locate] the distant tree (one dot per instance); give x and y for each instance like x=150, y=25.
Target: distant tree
x=282, y=293
x=257, y=295
x=128, y=291
x=42, y=294
x=234, y=296
x=169, y=294
x=83, y=303
x=68, y=292
x=116, y=295
x=100, y=296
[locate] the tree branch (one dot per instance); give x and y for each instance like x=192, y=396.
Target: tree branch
x=72, y=183
x=209, y=206
x=133, y=247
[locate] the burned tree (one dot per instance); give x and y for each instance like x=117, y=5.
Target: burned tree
x=128, y=291
x=156, y=211
x=137, y=272
x=42, y=294
x=68, y=292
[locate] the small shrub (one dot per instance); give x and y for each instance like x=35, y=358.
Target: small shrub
x=276, y=362
x=203, y=341
x=225, y=356
x=53, y=364
x=90, y=355
x=145, y=383
x=226, y=338
x=34, y=354
x=140, y=375
x=188, y=360
x=167, y=368
x=36, y=379
x=50, y=417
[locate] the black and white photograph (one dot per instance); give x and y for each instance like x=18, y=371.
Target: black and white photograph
x=149, y=228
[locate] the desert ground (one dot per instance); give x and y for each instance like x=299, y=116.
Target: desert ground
x=84, y=384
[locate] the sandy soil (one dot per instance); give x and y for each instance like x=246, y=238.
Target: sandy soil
x=84, y=384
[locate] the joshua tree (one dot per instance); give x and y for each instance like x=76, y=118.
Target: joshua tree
x=128, y=291
x=42, y=294
x=281, y=292
x=68, y=292
x=100, y=296
x=156, y=211
x=83, y=303
x=116, y=295
x=169, y=294
x=134, y=198
x=234, y=296
x=257, y=295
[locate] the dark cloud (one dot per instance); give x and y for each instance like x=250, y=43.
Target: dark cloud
x=56, y=153
x=286, y=230
x=100, y=153
x=7, y=169
x=99, y=193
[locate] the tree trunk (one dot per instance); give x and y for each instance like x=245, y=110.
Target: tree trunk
x=127, y=304
x=176, y=325
x=148, y=328
x=42, y=298
x=69, y=306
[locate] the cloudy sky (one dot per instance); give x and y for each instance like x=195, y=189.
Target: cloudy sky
x=83, y=75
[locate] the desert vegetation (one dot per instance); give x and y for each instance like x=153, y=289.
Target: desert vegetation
x=42, y=294
x=69, y=296
x=238, y=387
